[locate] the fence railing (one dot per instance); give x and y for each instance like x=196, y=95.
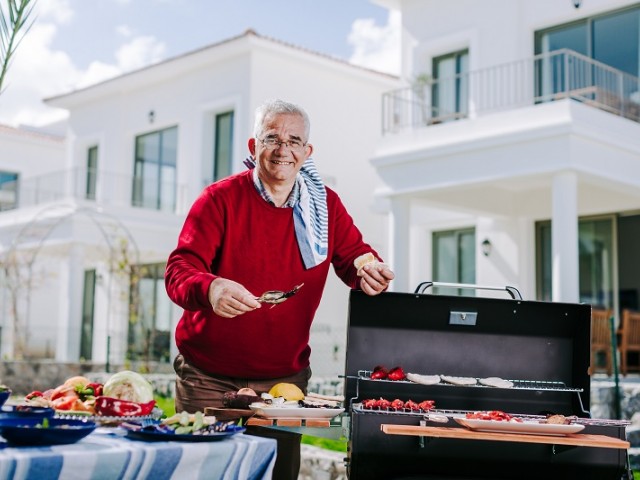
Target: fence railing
x=543, y=78
x=102, y=187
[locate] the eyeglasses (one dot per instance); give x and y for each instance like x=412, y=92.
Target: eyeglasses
x=271, y=143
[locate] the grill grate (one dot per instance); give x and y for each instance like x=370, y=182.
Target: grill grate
x=517, y=384
x=357, y=407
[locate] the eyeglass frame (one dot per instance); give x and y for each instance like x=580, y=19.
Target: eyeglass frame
x=278, y=143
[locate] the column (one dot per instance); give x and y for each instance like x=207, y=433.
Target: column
x=399, y=243
x=564, y=238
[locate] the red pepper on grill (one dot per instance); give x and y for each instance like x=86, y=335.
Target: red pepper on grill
x=115, y=407
x=396, y=374
x=427, y=405
x=397, y=404
x=383, y=403
x=379, y=373
x=369, y=403
x=411, y=405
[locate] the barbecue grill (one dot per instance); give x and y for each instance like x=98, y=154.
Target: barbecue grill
x=543, y=348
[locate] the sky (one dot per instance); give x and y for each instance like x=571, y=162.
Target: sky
x=76, y=43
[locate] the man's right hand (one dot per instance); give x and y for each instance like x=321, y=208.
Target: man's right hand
x=230, y=299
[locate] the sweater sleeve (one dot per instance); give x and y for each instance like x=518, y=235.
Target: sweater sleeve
x=348, y=244
x=188, y=273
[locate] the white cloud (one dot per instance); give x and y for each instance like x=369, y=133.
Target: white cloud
x=139, y=52
x=35, y=72
x=124, y=31
x=57, y=11
x=39, y=71
x=377, y=47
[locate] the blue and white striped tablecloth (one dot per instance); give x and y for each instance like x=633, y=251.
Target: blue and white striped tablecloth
x=105, y=456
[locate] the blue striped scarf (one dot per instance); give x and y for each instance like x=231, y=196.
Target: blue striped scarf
x=310, y=215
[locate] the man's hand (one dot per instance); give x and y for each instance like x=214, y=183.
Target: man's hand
x=375, y=278
x=230, y=299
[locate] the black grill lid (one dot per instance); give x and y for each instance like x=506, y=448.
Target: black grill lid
x=471, y=336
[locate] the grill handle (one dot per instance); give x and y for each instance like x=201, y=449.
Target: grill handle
x=513, y=291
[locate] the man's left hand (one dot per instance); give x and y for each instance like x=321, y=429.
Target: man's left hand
x=375, y=278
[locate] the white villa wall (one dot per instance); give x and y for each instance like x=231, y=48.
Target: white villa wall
x=432, y=28
x=30, y=153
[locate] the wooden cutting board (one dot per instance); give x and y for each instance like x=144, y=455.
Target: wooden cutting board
x=576, y=439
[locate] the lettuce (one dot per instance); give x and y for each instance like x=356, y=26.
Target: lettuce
x=128, y=385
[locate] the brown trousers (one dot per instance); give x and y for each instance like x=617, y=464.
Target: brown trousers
x=196, y=390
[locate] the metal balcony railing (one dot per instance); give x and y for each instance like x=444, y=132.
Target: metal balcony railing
x=92, y=185
x=543, y=78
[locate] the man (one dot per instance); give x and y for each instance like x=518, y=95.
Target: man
x=273, y=227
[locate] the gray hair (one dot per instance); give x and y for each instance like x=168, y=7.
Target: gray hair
x=279, y=107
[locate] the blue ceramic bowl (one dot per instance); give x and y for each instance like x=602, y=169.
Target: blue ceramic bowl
x=44, y=431
x=25, y=411
x=4, y=395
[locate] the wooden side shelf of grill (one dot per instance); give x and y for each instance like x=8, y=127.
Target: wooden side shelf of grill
x=575, y=439
x=288, y=422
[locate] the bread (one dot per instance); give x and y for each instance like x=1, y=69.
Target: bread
x=496, y=382
x=459, y=380
x=366, y=259
x=423, y=379
x=239, y=400
x=363, y=260
x=557, y=419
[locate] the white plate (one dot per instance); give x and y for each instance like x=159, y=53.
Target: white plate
x=297, y=412
x=519, y=427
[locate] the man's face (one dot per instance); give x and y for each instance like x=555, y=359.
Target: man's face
x=280, y=163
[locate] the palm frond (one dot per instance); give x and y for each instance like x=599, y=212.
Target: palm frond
x=14, y=25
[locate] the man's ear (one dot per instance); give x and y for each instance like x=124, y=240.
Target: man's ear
x=252, y=146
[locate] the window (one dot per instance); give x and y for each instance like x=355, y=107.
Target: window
x=8, y=190
x=450, y=88
x=612, y=38
x=88, y=298
x=154, y=183
x=223, y=153
x=595, y=263
x=92, y=172
x=150, y=316
x=454, y=259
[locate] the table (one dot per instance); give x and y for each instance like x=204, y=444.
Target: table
x=106, y=454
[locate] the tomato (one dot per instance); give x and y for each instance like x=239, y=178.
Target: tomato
x=64, y=391
x=64, y=403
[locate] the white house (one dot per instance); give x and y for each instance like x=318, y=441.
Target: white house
x=509, y=155
x=139, y=149
x=512, y=156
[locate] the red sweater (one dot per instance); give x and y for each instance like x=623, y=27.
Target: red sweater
x=233, y=233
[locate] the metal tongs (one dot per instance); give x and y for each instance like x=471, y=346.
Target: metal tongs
x=278, y=296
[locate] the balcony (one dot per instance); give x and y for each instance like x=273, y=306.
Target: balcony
x=543, y=78
x=83, y=184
